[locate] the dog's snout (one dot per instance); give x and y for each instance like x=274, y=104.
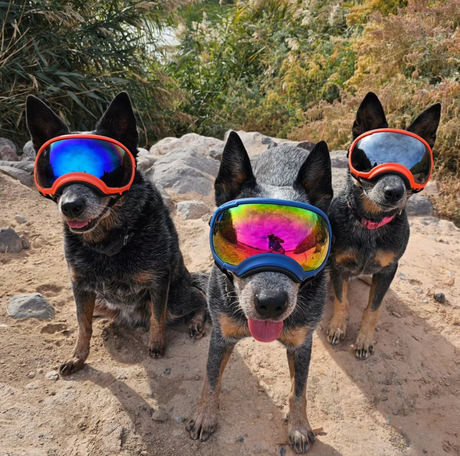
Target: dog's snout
x=74, y=208
x=271, y=306
x=393, y=193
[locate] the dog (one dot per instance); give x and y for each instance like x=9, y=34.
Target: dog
x=359, y=250
x=289, y=173
x=125, y=262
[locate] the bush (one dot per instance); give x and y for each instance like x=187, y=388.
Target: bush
x=77, y=55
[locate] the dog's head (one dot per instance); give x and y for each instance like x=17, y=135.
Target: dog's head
x=271, y=295
x=388, y=192
x=82, y=207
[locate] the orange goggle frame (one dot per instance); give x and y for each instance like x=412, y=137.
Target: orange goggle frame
x=391, y=166
x=84, y=158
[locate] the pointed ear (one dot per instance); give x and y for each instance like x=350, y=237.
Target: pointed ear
x=119, y=123
x=315, y=177
x=235, y=170
x=370, y=115
x=427, y=123
x=42, y=122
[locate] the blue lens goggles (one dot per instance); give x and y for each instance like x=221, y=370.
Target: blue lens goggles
x=258, y=234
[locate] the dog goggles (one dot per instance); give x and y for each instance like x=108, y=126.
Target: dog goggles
x=259, y=234
x=99, y=161
x=386, y=151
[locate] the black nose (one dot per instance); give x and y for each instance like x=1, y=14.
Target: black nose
x=393, y=194
x=271, y=306
x=73, y=208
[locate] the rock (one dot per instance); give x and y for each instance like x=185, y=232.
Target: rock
x=216, y=152
x=339, y=159
x=166, y=198
x=192, y=209
x=440, y=297
x=26, y=166
x=307, y=145
x=9, y=143
x=191, y=141
x=25, y=242
x=20, y=218
x=419, y=205
x=418, y=290
x=339, y=180
x=28, y=152
x=167, y=371
x=160, y=415
x=145, y=163
x=22, y=176
x=8, y=154
x=255, y=142
x=179, y=419
x=31, y=375
x=33, y=305
x=431, y=188
x=142, y=152
x=52, y=375
x=10, y=241
x=186, y=171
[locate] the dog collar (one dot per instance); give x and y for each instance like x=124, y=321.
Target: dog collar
x=369, y=224
x=115, y=246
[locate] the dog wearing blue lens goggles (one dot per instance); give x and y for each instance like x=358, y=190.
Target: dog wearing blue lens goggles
x=270, y=240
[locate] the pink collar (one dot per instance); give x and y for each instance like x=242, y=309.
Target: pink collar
x=369, y=224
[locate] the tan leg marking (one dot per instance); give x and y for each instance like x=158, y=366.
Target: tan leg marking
x=384, y=258
x=337, y=329
x=157, y=333
x=204, y=421
x=301, y=436
x=364, y=345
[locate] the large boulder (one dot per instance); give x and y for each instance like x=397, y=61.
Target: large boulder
x=192, y=209
x=9, y=143
x=186, y=171
x=10, y=241
x=16, y=173
x=419, y=205
x=8, y=154
x=203, y=145
x=32, y=305
x=26, y=166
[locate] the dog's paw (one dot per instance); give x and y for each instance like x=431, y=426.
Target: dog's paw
x=71, y=366
x=336, y=331
x=364, y=346
x=202, y=425
x=301, y=437
x=196, y=328
x=156, y=350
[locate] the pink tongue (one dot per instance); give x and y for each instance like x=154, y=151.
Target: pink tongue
x=265, y=330
x=76, y=224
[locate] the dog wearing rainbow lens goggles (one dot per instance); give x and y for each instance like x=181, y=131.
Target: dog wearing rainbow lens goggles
x=121, y=246
x=368, y=218
x=270, y=240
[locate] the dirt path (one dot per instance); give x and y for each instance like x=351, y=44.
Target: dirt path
x=403, y=401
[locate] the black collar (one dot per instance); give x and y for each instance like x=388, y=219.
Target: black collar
x=115, y=245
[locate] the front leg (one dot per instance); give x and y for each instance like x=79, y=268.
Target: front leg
x=84, y=301
x=381, y=282
x=337, y=329
x=204, y=421
x=301, y=436
x=157, y=305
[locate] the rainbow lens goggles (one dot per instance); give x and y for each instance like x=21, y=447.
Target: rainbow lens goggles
x=95, y=160
x=258, y=234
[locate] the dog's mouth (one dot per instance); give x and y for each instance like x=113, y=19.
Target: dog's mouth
x=265, y=330
x=83, y=226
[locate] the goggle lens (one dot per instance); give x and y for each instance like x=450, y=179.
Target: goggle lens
x=391, y=147
x=246, y=230
x=103, y=159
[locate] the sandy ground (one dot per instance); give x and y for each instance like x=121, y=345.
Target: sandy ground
x=405, y=400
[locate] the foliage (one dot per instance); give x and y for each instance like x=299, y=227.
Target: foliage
x=77, y=55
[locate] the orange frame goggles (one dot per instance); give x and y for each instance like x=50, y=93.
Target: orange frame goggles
x=392, y=151
x=99, y=161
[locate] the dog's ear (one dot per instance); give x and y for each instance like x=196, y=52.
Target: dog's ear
x=370, y=115
x=119, y=123
x=427, y=123
x=43, y=124
x=235, y=170
x=315, y=177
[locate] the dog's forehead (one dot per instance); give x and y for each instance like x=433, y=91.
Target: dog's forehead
x=284, y=193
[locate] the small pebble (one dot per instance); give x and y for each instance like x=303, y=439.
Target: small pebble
x=440, y=297
x=418, y=290
x=31, y=375
x=159, y=415
x=52, y=375
x=167, y=371
x=20, y=219
x=240, y=440
x=282, y=451
x=180, y=419
x=402, y=276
